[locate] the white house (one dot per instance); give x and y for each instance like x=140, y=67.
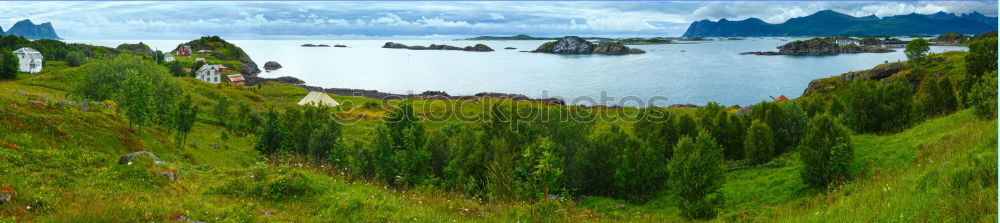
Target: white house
x=29, y=60
x=847, y=41
x=167, y=57
x=211, y=73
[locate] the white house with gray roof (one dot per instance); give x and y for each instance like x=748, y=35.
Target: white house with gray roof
x=29, y=60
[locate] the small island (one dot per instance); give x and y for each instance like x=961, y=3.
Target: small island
x=314, y=45
x=340, y=45
x=826, y=46
x=477, y=48
x=577, y=45
x=517, y=37
x=272, y=65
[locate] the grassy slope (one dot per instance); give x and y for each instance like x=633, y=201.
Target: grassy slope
x=62, y=163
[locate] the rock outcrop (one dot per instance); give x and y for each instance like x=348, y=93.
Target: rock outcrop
x=880, y=72
x=577, y=45
x=271, y=65
x=224, y=51
x=820, y=46
x=476, y=48
x=127, y=158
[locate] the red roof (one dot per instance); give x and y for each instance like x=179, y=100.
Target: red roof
x=781, y=98
x=235, y=78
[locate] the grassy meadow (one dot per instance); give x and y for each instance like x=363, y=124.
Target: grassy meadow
x=62, y=164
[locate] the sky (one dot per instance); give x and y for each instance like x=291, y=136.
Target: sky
x=436, y=19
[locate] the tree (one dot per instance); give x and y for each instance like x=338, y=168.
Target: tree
x=221, y=111
x=696, y=173
x=982, y=59
x=74, y=59
x=759, y=143
x=916, y=50
x=194, y=69
x=325, y=139
x=184, y=117
x=176, y=70
x=874, y=106
x=8, y=67
x=984, y=97
x=935, y=97
x=272, y=136
x=106, y=79
x=399, y=143
x=787, y=121
x=825, y=152
x=686, y=126
x=158, y=56
x=545, y=167
x=135, y=97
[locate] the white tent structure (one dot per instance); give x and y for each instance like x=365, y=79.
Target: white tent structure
x=317, y=98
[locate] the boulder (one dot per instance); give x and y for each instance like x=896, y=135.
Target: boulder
x=127, y=158
x=84, y=105
x=271, y=65
x=6, y=195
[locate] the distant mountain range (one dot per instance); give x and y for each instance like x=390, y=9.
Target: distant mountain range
x=29, y=30
x=831, y=23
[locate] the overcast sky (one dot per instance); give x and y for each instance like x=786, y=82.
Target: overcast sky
x=366, y=20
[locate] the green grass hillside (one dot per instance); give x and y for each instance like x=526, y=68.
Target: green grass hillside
x=62, y=163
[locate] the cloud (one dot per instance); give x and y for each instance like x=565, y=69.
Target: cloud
x=497, y=16
x=142, y=20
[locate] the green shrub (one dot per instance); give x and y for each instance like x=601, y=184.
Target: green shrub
x=696, y=173
x=74, y=59
x=8, y=64
x=787, y=121
x=984, y=97
x=399, y=144
x=982, y=59
x=825, y=152
x=936, y=97
x=759, y=143
x=874, y=106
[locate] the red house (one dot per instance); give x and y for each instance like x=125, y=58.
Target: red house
x=222, y=68
x=185, y=50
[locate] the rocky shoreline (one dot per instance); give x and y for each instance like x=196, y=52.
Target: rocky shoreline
x=820, y=46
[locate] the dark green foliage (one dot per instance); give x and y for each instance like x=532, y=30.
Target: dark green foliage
x=982, y=57
x=142, y=89
x=759, y=143
x=696, y=174
x=787, y=121
x=916, y=50
x=324, y=140
x=878, y=107
x=8, y=65
x=398, y=146
x=184, y=117
x=655, y=128
x=176, y=69
x=983, y=97
x=825, y=152
x=194, y=68
x=541, y=168
x=981, y=60
x=159, y=56
x=935, y=97
x=686, y=126
x=272, y=135
x=74, y=59
x=715, y=120
x=221, y=111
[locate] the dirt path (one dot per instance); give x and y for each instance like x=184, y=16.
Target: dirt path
x=19, y=80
